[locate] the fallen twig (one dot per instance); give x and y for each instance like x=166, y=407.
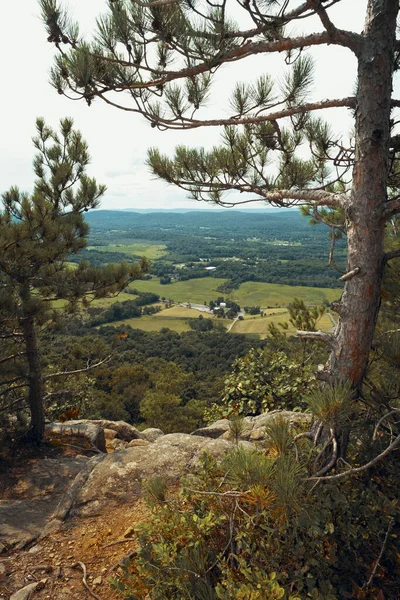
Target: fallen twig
x=371, y=577
x=84, y=581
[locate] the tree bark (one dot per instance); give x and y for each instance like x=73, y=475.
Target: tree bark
x=35, y=380
x=359, y=306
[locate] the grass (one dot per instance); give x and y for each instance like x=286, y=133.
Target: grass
x=151, y=251
x=150, y=323
x=175, y=318
x=254, y=293
x=180, y=312
x=194, y=290
x=250, y=293
x=259, y=325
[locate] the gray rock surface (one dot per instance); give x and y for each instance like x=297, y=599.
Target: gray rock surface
x=118, y=478
x=31, y=501
x=87, y=429
x=124, y=430
x=253, y=427
x=25, y=593
x=152, y=434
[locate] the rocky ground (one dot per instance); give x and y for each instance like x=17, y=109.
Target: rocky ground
x=67, y=511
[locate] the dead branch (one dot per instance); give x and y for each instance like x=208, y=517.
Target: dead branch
x=392, y=254
x=76, y=371
x=378, y=560
x=355, y=470
x=333, y=459
x=121, y=562
x=379, y=423
x=318, y=336
x=3, y=360
x=228, y=494
x=350, y=274
x=83, y=567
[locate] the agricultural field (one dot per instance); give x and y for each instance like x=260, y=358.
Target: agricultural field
x=259, y=325
x=151, y=251
x=175, y=318
x=197, y=291
x=251, y=293
x=181, y=312
x=266, y=295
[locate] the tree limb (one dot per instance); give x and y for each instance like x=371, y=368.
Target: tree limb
x=350, y=274
x=186, y=123
x=3, y=360
x=319, y=336
x=392, y=254
x=323, y=16
x=76, y=371
x=355, y=470
x=391, y=209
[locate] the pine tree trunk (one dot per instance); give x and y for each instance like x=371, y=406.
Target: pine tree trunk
x=359, y=305
x=35, y=381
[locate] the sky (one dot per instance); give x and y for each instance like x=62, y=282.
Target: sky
x=118, y=140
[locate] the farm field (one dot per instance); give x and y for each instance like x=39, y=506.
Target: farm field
x=101, y=302
x=251, y=293
x=259, y=325
x=175, y=318
x=181, y=312
x=151, y=251
x=194, y=290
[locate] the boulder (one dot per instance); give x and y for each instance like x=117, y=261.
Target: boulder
x=87, y=429
x=253, y=427
x=109, y=434
x=117, y=444
x=118, y=477
x=215, y=430
x=31, y=502
x=138, y=443
x=124, y=430
x=152, y=434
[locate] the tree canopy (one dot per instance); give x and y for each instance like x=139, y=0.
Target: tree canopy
x=38, y=232
x=159, y=59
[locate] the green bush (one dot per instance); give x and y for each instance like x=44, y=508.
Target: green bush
x=255, y=527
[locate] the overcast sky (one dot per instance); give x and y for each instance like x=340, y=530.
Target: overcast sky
x=118, y=140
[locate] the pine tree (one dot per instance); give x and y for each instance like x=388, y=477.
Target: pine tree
x=38, y=232
x=162, y=56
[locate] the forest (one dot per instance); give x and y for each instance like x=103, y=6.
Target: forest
x=312, y=511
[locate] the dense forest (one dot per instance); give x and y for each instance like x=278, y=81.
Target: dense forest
x=272, y=247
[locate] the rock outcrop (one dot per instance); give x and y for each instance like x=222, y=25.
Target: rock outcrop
x=254, y=428
x=119, y=476
x=125, y=458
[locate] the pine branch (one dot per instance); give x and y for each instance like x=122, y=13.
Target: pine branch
x=190, y=123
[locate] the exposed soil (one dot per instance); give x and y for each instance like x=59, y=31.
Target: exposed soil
x=99, y=543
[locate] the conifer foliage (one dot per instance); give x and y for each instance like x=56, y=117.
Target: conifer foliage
x=38, y=232
x=159, y=58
